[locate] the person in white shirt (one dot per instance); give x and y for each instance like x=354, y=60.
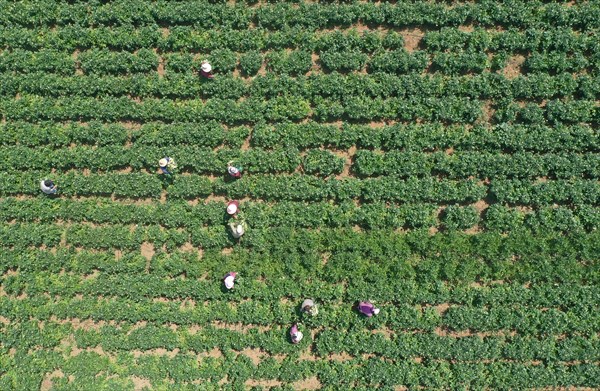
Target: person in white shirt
x=238, y=227
x=309, y=307
x=229, y=280
x=48, y=187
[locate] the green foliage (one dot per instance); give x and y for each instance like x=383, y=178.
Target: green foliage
x=250, y=62
x=458, y=217
x=223, y=60
x=439, y=159
x=322, y=163
x=293, y=63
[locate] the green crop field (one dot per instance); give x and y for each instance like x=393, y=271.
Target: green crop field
x=440, y=159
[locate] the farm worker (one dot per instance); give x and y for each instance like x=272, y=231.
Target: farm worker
x=229, y=280
x=232, y=208
x=48, y=187
x=238, y=227
x=235, y=172
x=295, y=334
x=167, y=163
x=206, y=69
x=367, y=308
x=309, y=307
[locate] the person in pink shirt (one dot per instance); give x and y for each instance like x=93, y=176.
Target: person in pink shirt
x=232, y=207
x=206, y=70
x=295, y=334
x=233, y=171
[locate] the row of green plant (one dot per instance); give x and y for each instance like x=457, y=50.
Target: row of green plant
x=252, y=110
x=554, y=112
x=507, y=138
x=295, y=187
x=299, y=62
x=556, y=39
x=190, y=159
x=404, y=164
x=208, y=134
x=94, y=61
x=302, y=215
x=546, y=193
x=307, y=15
x=409, y=137
x=116, y=305
x=399, y=346
x=476, y=164
x=184, y=372
x=414, y=255
x=180, y=214
x=196, y=39
x=489, y=86
x=263, y=282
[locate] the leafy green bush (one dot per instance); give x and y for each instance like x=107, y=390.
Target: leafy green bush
x=460, y=217
x=323, y=163
x=293, y=63
x=223, y=60
x=250, y=62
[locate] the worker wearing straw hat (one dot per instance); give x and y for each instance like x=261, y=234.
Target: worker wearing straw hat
x=167, y=163
x=206, y=70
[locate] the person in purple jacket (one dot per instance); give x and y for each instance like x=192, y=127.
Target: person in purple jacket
x=367, y=308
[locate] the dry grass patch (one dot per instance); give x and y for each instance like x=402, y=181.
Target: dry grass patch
x=147, y=250
x=159, y=352
x=442, y=332
x=312, y=383
x=412, y=39
x=343, y=356
x=227, y=251
x=262, y=383
x=513, y=66
x=140, y=383
x=214, y=353
x=254, y=354
x=47, y=381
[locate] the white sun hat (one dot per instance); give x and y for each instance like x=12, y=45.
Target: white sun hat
x=376, y=311
x=206, y=67
x=231, y=209
x=299, y=336
x=229, y=282
x=163, y=162
x=239, y=229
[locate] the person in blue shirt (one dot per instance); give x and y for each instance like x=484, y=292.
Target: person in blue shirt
x=167, y=163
